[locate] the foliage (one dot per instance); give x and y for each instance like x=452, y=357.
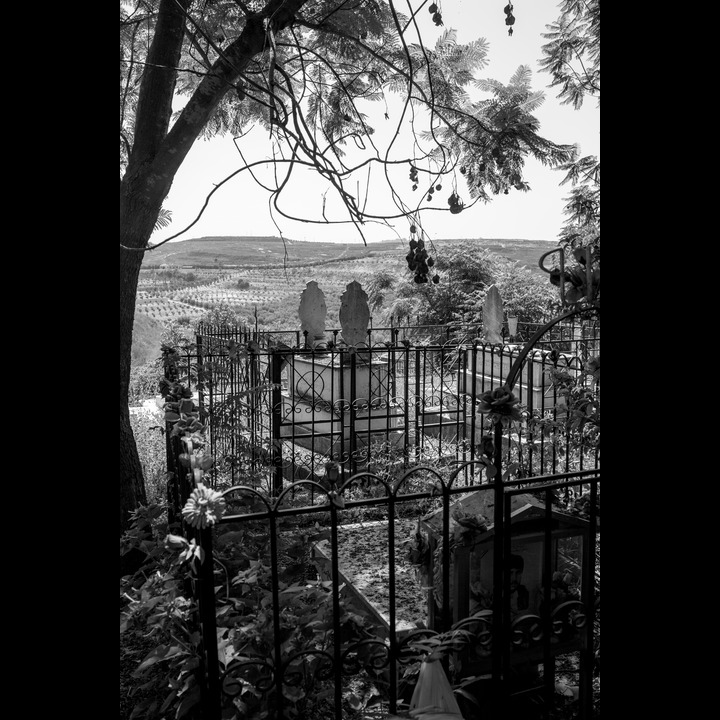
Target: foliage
x=155, y=603
x=579, y=406
x=156, y=600
x=144, y=381
x=179, y=334
x=523, y=295
x=492, y=168
x=572, y=58
x=223, y=315
x=149, y=432
x=467, y=271
x=569, y=433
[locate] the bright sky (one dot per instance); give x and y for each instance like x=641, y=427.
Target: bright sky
x=240, y=207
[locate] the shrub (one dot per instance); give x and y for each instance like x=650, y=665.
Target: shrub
x=149, y=431
x=144, y=382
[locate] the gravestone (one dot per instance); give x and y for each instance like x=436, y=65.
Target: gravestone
x=312, y=313
x=336, y=399
x=493, y=316
x=354, y=315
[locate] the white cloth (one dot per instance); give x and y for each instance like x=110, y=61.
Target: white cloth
x=433, y=697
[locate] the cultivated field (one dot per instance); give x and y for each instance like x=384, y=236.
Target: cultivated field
x=270, y=293
x=262, y=278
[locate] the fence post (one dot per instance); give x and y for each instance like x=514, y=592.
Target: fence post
x=587, y=654
x=200, y=372
x=276, y=361
x=172, y=451
x=499, y=639
x=205, y=592
x=353, y=411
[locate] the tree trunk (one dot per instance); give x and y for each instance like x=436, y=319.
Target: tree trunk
x=142, y=191
x=132, y=484
x=153, y=162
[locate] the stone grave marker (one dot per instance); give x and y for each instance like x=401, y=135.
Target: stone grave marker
x=354, y=315
x=312, y=313
x=493, y=316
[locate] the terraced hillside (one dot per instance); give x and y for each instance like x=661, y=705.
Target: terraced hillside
x=262, y=278
x=272, y=292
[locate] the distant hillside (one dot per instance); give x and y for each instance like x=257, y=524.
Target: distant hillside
x=264, y=251
x=245, y=252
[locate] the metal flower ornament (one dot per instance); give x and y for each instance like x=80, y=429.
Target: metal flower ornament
x=500, y=405
x=204, y=507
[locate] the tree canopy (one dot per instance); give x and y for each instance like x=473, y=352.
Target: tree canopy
x=572, y=59
x=307, y=81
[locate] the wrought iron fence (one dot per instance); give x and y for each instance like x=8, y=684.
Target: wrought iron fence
x=278, y=414
x=265, y=614
x=313, y=448
x=457, y=332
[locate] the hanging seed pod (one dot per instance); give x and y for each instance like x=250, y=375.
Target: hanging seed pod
x=433, y=9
